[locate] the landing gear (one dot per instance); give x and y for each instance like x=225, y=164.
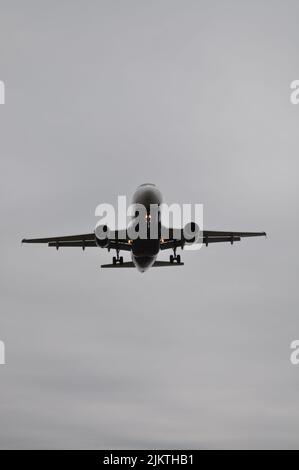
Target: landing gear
x=117, y=259
x=175, y=258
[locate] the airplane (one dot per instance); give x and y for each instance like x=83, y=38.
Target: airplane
x=144, y=251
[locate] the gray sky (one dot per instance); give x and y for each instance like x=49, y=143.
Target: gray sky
x=193, y=96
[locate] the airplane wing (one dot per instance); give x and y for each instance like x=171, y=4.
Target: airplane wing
x=216, y=236
x=212, y=236
x=118, y=241
x=217, y=233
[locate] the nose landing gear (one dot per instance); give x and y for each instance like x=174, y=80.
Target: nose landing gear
x=117, y=259
x=175, y=258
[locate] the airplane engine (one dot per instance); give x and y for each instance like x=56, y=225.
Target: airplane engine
x=191, y=233
x=102, y=235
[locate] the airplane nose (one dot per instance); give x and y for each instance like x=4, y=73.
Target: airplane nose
x=147, y=195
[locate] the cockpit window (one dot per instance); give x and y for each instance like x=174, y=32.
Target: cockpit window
x=147, y=184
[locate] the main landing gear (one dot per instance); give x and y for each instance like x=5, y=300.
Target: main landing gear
x=117, y=259
x=175, y=258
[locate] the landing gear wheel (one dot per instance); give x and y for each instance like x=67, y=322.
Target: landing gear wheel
x=171, y=258
x=114, y=260
x=178, y=259
x=121, y=260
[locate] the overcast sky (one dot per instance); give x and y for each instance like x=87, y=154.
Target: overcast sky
x=195, y=97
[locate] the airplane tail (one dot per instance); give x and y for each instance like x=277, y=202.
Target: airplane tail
x=130, y=264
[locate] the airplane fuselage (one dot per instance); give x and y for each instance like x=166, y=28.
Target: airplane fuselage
x=145, y=251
